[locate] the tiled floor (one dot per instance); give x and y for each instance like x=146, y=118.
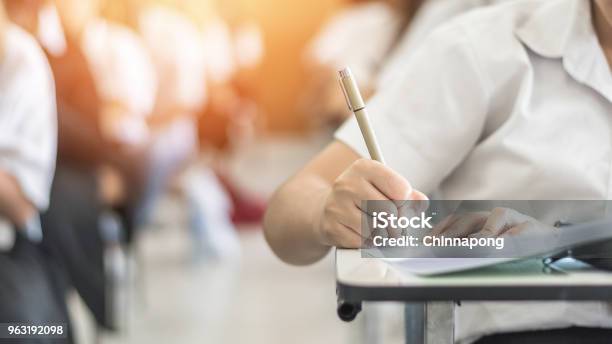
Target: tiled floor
x=252, y=299
x=256, y=299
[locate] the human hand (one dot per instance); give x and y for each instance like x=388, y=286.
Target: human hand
x=509, y=222
x=498, y=222
x=341, y=213
x=461, y=225
x=14, y=205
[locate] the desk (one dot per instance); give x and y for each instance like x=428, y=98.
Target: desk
x=367, y=279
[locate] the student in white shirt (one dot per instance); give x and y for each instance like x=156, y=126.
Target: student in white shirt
x=174, y=44
x=180, y=57
x=508, y=102
x=127, y=83
x=100, y=124
x=125, y=76
x=233, y=48
x=28, y=292
x=28, y=124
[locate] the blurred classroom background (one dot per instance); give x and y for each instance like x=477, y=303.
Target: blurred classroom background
x=176, y=121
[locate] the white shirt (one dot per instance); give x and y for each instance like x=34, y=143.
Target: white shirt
x=124, y=74
x=177, y=50
x=432, y=14
x=508, y=102
x=358, y=37
x=28, y=118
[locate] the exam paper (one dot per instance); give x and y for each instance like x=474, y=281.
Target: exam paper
x=565, y=239
x=436, y=266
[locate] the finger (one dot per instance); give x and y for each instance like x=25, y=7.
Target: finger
x=394, y=232
x=353, y=219
x=385, y=209
x=496, y=222
x=347, y=238
x=441, y=227
x=390, y=183
x=523, y=228
x=529, y=228
x=467, y=224
x=415, y=205
x=420, y=200
x=375, y=204
x=369, y=199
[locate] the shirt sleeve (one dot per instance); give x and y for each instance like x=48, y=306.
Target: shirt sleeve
x=28, y=120
x=431, y=114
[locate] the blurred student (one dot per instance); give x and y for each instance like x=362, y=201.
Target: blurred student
x=100, y=130
x=482, y=100
x=233, y=47
x=122, y=67
x=361, y=36
x=180, y=58
x=29, y=292
x=126, y=81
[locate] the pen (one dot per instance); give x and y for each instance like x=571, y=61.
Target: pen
x=357, y=107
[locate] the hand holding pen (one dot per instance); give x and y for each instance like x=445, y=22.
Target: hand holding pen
x=366, y=179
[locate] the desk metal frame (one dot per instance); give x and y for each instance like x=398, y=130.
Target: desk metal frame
x=423, y=300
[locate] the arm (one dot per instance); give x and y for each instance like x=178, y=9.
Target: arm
x=443, y=84
x=294, y=211
x=319, y=207
x=13, y=203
